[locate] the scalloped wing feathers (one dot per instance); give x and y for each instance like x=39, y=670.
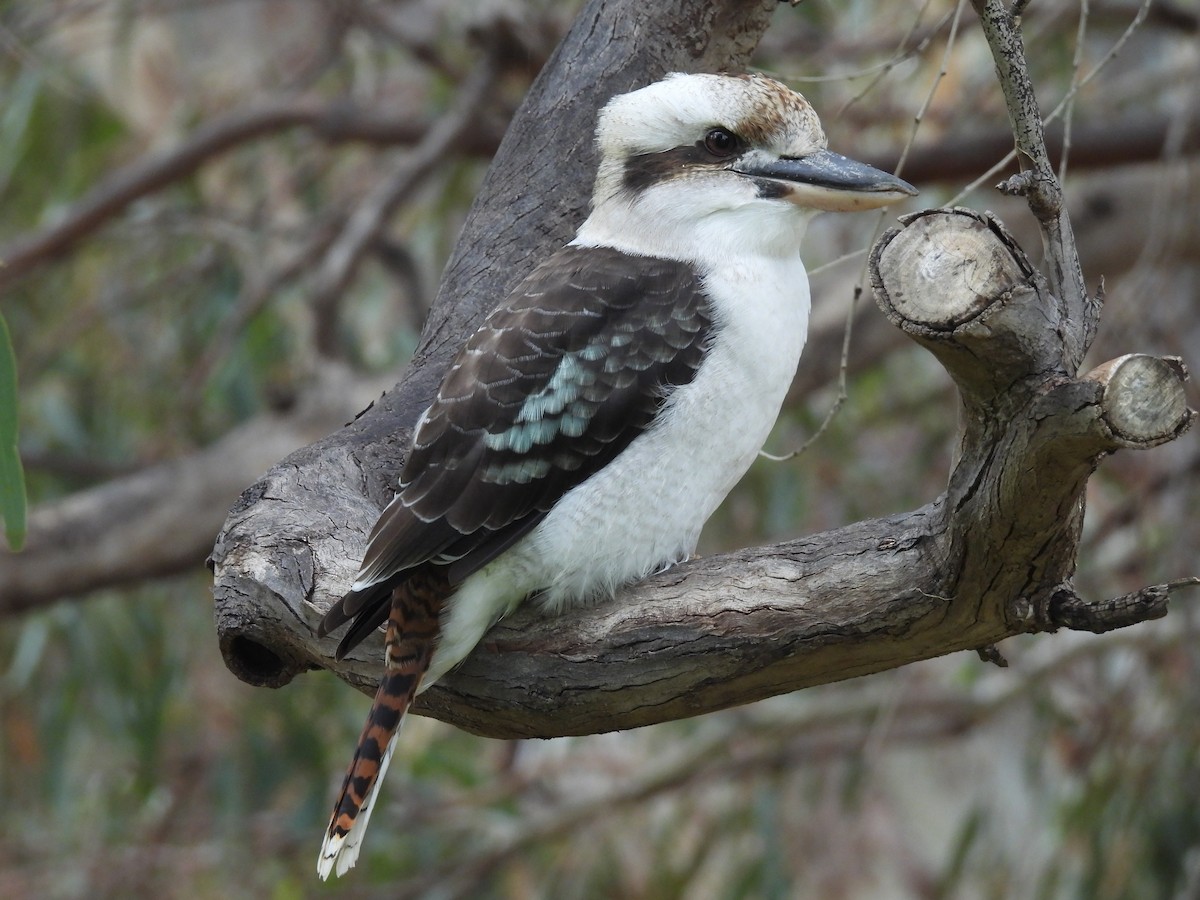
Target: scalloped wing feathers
x=552, y=387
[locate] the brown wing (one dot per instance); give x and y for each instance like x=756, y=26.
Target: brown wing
x=553, y=386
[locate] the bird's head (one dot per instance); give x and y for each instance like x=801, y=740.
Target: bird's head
x=710, y=151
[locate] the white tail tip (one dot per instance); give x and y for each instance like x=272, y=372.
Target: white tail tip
x=342, y=849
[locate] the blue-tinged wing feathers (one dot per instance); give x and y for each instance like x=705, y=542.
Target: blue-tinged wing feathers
x=557, y=381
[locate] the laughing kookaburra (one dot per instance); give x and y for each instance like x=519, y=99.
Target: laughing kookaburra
x=600, y=414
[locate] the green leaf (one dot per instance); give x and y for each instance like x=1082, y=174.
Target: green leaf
x=12, y=479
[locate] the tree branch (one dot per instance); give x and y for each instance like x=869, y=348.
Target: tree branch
x=987, y=559
x=161, y=520
x=1037, y=181
x=297, y=534
x=991, y=558
x=331, y=122
x=1097, y=145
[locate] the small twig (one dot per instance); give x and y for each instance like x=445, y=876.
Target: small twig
x=363, y=227
x=1108, y=57
x=837, y=261
x=843, y=393
x=1038, y=183
x=884, y=66
x=990, y=653
x=928, y=101
x=901, y=54
x=1066, y=609
x=1069, y=111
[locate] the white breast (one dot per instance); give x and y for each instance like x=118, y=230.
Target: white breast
x=646, y=509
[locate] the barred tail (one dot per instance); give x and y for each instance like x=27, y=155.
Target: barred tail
x=412, y=632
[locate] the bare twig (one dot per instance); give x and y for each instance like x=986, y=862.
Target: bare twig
x=1076, y=87
x=925, y=104
x=331, y=122
x=902, y=54
x=848, y=330
x=1069, y=112
x=1037, y=182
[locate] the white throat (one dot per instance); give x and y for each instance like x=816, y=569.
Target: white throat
x=671, y=221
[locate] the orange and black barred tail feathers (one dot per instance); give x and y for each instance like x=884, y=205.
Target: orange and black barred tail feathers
x=412, y=632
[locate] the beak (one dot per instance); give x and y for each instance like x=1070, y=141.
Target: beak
x=826, y=180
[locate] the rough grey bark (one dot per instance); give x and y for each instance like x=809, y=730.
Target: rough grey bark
x=993, y=556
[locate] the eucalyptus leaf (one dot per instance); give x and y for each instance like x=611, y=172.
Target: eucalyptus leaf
x=12, y=478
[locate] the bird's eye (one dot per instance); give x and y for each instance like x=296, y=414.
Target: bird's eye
x=721, y=142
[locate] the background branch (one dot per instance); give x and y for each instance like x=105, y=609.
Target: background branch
x=370, y=217
x=1095, y=145
x=333, y=123
x=160, y=520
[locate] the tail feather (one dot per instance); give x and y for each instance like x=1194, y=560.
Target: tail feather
x=341, y=848
x=412, y=632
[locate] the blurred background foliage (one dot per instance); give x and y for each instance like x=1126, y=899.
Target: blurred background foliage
x=133, y=764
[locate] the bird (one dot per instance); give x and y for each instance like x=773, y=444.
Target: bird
x=591, y=425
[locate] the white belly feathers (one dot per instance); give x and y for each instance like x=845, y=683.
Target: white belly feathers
x=645, y=510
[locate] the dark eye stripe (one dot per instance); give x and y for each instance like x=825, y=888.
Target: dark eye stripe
x=646, y=169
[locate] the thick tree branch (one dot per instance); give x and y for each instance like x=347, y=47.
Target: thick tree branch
x=194, y=522
x=298, y=533
x=991, y=557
